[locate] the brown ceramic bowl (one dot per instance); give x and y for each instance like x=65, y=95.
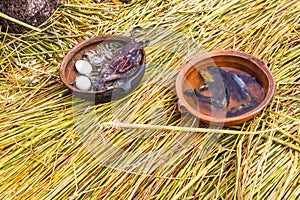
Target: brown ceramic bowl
x=236, y=61
x=68, y=71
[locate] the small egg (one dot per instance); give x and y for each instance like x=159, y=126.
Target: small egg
x=83, y=83
x=83, y=67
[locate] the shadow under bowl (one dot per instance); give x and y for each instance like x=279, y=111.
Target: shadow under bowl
x=68, y=72
x=236, y=61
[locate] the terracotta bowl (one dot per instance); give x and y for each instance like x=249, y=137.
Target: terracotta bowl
x=68, y=71
x=236, y=61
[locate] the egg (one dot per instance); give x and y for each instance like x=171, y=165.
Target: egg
x=83, y=67
x=83, y=83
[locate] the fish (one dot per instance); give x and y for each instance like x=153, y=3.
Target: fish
x=232, y=82
x=216, y=102
x=241, y=109
x=250, y=79
x=214, y=82
x=222, y=86
x=219, y=102
x=241, y=87
x=192, y=93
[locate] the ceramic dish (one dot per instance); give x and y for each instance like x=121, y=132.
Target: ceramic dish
x=230, y=60
x=68, y=72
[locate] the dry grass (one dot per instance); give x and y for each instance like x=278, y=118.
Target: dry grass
x=47, y=146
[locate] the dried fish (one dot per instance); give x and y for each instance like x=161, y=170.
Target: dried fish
x=95, y=59
x=103, y=53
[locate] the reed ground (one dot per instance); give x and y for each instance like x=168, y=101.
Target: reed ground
x=47, y=149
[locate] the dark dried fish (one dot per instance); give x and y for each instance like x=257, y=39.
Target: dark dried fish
x=130, y=55
x=125, y=60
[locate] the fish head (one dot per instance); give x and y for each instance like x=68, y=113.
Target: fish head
x=205, y=74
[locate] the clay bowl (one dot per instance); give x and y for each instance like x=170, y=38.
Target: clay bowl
x=68, y=71
x=236, y=61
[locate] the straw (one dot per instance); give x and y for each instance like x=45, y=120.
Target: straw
x=56, y=146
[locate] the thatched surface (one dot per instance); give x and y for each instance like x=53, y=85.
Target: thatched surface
x=46, y=151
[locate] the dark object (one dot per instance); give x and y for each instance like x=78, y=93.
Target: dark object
x=126, y=61
x=217, y=101
x=241, y=109
x=251, y=70
x=125, y=1
x=222, y=86
x=33, y=12
x=126, y=84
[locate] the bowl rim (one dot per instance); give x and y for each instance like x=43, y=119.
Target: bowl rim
x=262, y=64
x=68, y=57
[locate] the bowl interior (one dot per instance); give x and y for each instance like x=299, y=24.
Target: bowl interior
x=68, y=71
x=239, y=63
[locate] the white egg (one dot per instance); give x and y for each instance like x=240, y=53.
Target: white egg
x=83, y=67
x=83, y=83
